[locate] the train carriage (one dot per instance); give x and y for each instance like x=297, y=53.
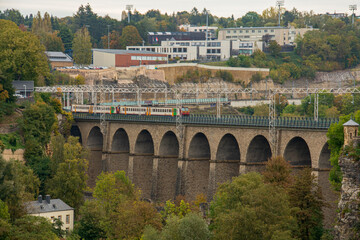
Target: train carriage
x=131, y=110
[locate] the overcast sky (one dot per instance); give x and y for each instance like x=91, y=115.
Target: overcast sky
x=225, y=8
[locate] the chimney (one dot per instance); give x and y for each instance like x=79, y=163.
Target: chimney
x=48, y=199
x=40, y=198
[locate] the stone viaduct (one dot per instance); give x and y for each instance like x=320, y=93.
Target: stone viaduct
x=149, y=154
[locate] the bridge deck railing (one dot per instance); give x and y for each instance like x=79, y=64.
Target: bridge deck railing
x=230, y=120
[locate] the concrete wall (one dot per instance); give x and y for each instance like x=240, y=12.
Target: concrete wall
x=103, y=59
x=7, y=154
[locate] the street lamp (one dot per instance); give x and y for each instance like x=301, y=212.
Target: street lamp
x=353, y=8
x=279, y=3
x=129, y=7
x=108, y=26
x=207, y=25
x=25, y=90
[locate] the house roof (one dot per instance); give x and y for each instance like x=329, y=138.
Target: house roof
x=58, y=57
x=120, y=51
x=55, y=205
x=351, y=123
x=19, y=85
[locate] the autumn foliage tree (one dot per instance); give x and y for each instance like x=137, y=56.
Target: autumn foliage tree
x=278, y=172
x=130, y=37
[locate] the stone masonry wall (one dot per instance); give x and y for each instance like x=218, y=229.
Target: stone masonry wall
x=349, y=211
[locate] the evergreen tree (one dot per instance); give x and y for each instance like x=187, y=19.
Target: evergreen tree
x=305, y=196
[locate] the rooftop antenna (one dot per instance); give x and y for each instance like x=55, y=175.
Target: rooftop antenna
x=353, y=8
x=128, y=8
x=280, y=3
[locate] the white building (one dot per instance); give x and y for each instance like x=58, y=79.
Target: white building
x=196, y=50
x=52, y=209
x=282, y=35
x=210, y=30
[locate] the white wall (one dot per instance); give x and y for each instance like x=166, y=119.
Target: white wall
x=63, y=214
x=102, y=59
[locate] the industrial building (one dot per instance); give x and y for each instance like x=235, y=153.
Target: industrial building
x=126, y=58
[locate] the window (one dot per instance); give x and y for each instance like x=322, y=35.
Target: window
x=67, y=219
x=234, y=31
x=259, y=31
x=59, y=217
x=52, y=218
x=265, y=31
x=240, y=31
x=253, y=31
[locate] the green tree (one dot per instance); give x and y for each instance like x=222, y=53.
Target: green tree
x=191, y=227
x=89, y=227
x=130, y=37
x=66, y=36
x=82, y=47
x=274, y=48
x=18, y=184
x=21, y=56
x=32, y=227
x=305, y=196
x=246, y=208
x=69, y=182
x=118, y=209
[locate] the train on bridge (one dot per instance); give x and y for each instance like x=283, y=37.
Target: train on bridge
x=132, y=110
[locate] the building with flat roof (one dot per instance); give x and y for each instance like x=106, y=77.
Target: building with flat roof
x=155, y=38
x=126, y=58
x=200, y=50
x=211, y=30
x=52, y=209
x=59, y=59
x=282, y=35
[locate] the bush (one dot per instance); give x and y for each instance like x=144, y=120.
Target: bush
x=225, y=75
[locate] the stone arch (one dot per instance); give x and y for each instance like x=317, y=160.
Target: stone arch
x=199, y=147
x=169, y=145
x=324, y=159
x=119, y=156
x=95, y=145
x=95, y=139
x=144, y=143
x=75, y=131
x=297, y=152
x=167, y=167
x=259, y=150
x=197, y=167
x=120, y=142
x=227, y=162
x=142, y=163
x=228, y=148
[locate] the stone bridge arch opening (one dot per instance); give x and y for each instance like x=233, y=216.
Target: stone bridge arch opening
x=95, y=145
x=120, y=149
x=167, y=167
x=324, y=159
x=75, y=132
x=142, y=163
x=297, y=152
x=227, y=160
x=197, y=167
x=144, y=143
x=259, y=150
x=169, y=145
